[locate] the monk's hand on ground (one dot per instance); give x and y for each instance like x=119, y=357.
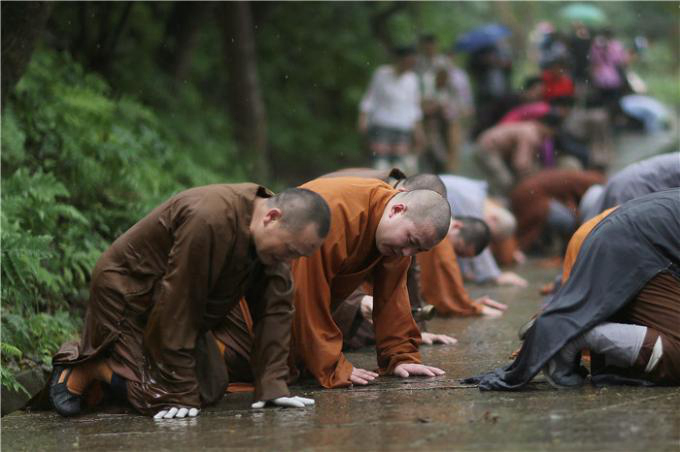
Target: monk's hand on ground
x=511, y=279
x=430, y=338
x=491, y=312
x=362, y=376
x=177, y=412
x=519, y=257
x=405, y=370
x=488, y=302
x=286, y=402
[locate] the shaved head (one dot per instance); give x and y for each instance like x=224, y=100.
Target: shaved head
x=474, y=232
x=427, y=209
x=301, y=207
x=425, y=182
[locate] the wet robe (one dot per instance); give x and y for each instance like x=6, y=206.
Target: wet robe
x=161, y=288
x=347, y=258
x=440, y=284
x=531, y=198
x=630, y=248
x=656, y=306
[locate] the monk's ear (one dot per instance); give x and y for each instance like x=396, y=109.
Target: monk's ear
x=454, y=227
x=272, y=215
x=397, y=209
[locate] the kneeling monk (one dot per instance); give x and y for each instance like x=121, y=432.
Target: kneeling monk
x=620, y=300
x=161, y=288
x=374, y=231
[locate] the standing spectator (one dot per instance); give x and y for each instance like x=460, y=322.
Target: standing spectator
x=608, y=58
x=461, y=109
x=436, y=97
x=579, y=44
x=428, y=61
x=490, y=69
x=446, y=101
x=556, y=80
x=390, y=113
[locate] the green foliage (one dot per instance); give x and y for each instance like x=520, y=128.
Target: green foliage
x=80, y=165
x=8, y=380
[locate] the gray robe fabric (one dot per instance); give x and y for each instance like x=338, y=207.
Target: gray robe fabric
x=620, y=255
x=648, y=176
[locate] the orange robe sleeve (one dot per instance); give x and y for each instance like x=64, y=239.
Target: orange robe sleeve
x=317, y=338
x=396, y=333
x=442, y=282
x=576, y=241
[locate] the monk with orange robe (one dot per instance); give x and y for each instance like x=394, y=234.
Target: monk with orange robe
x=374, y=231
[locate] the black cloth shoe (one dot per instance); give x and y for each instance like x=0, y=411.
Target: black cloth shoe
x=64, y=401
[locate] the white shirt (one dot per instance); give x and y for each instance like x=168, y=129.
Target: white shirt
x=392, y=100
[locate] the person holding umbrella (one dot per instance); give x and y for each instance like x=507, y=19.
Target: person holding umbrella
x=489, y=65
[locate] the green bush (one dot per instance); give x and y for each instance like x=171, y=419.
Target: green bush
x=79, y=166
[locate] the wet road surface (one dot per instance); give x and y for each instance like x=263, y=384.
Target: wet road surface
x=417, y=413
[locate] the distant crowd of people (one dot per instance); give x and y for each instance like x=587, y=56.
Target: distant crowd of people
x=418, y=111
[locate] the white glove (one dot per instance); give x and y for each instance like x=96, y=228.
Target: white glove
x=288, y=402
x=177, y=412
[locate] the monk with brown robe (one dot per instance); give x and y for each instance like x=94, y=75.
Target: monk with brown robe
x=161, y=288
x=374, y=231
x=548, y=202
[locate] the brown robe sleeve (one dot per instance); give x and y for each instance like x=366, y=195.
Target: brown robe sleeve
x=272, y=315
x=176, y=317
x=396, y=333
x=442, y=282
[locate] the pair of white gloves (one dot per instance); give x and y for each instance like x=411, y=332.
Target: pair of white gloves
x=287, y=402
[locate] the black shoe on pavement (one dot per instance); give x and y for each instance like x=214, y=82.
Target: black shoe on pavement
x=64, y=401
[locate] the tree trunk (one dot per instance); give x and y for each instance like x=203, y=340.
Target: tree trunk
x=380, y=22
x=102, y=53
x=181, y=36
x=246, y=105
x=22, y=24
